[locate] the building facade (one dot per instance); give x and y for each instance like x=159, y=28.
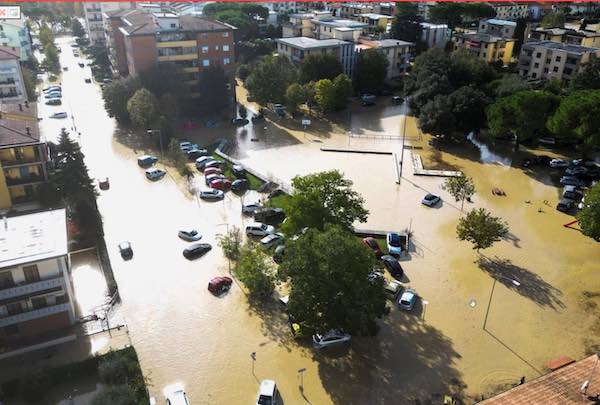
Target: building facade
x=296, y=49
x=353, y=10
x=553, y=60
x=498, y=28
x=434, y=35
x=397, y=52
x=486, y=47
x=36, y=294
x=94, y=17
x=12, y=85
x=590, y=39
x=15, y=34
x=510, y=11
x=344, y=30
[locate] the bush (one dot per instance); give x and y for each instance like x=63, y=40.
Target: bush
x=231, y=243
x=115, y=370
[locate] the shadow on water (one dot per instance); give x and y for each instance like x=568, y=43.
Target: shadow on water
x=274, y=321
x=531, y=285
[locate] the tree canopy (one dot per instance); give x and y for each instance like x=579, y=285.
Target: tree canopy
x=77, y=28
x=316, y=67
x=270, y=79
x=481, y=228
x=461, y=188
x=371, y=71
x=333, y=95
x=588, y=78
x=142, y=108
x=255, y=269
x=406, y=25
x=554, y=20
x=589, y=215
x=213, y=87
x=117, y=94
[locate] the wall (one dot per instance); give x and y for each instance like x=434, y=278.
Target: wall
x=141, y=53
x=38, y=326
x=215, y=41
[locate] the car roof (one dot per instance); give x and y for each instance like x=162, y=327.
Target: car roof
x=267, y=387
x=177, y=397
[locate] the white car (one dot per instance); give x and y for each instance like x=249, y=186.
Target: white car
x=407, y=299
x=258, y=229
x=190, y=235
x=271, y=240
x=430, y=200
x=212, y=194
x=331, y=338
x=268, y=393
x=556, y=163
x=392, y=288
x=61, y=114
x=250, y=209
x=394, y=244
x=155, y=174
x=177, y=396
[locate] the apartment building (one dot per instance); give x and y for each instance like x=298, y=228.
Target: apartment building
x=398, y=53
x=12, y=86
x=301, y=25
x=353, y=10
x=385, y=8
x=296, y=49
x=498, y=28
x=590, y=39
x=548, y=60
x=94, y=17
x=435, y=35
x=488, y=47
x=36, y=295
x=331, y=28
x=15, y=34
x=374, y=21
x=510, y=11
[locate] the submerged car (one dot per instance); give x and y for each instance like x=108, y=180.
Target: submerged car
x=268, y=393
x=196, y=250
x=430, y=200
x=212, y=194
x=190, y=235
x=331, y=338
x=394, y=244
x=218, y=285
x=125, y=250
x=393, y=266
x=372, y=244
x=408, y=299
x=155, y=174
x=557, y=163
x=565, y=205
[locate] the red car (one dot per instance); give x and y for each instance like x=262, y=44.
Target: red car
x=212, y=170
x=219, y=285
x=221, y=184
x=372, y=244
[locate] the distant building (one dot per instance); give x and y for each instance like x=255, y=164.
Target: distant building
x=586, y=38
x=15, y=34
x=487, y=47
x=537, y=11
x=398, y=53
x=36, y=295
x=434, y=35
x=548, y=59
x=499, y=28
x=94, y=20
x=12, y=86
x=385, y=8
x=296, y=49
x=375, y=21
x=353, y=10
x=345, y=30
x=300, y=24
x=282, y=7
x=510, y=11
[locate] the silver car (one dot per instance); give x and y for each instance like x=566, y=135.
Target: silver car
x=249, y=209
x=190, y=235
x=331, y=338
x=271, y=240
x=408, y=299
x=212, y=194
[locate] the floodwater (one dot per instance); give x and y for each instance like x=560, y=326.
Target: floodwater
x=185, y=335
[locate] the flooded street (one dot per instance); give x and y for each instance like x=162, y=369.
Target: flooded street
x=184, y=334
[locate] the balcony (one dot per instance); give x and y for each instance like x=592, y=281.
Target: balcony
x=35, y=314
x=7, y=81
x=19, y=181
x=31, y=288
x=176, y=44
x=172, y=58
x=23, y=161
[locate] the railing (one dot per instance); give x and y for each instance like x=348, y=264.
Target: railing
x=21, y=161
x=31, y=287
x=17, y=181
x=8, y=95
x=35, y=314
x=7, y=81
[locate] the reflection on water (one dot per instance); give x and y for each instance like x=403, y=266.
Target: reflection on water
x=486, y=155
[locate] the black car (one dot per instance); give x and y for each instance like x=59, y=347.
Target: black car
x=196, y=250
x=125, y=250
x=238, y=171
x=565, y=205
x=393, y=266
x=269, y=215
x=239, y=185
x=196, y=153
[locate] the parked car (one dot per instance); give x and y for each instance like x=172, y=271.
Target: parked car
x=81, y=64
x=146, y=161
x=194, y=154
x=212, y=170
x=196, y=250
x=211, y=177
x=367, y=103
x=331, y=338
x=572, y=181
x=258, y=229
x=54, y=101
x=269, y=215
x=155, y=174
x=221, y=184
x=367, y=97
x=187, y=146
x=408, y=299
x=572, y=193
x=87, y=80
x=189, y=235
x=212, y=194
x=250, y=209
x=397, y=99
x=372, y=244
x=565, y=205
x=558, y=163
x=177, y=396
x=61, y=114
x=278, y=254
x=394, y=244
x=125, y=250
x=53, y=94
x=271, y=240
x=238, y=171
x=214, y=163
x=430, y=200
x=239, y=185
x=393, y=266
x=268, y=393
x=219, y=285
x=375, y=276
x=576, y=170
x=202, y=161
x=51, y=88
x=392, y=288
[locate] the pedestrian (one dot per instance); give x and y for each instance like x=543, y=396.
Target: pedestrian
x=522, y=381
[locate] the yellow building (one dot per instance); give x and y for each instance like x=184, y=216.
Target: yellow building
x=585, y=38
x=487, y=47
x=23, y=155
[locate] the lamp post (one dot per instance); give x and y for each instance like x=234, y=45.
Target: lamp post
x=301, y=372
x=515, y=282
x=253, y=357
x=151, y=133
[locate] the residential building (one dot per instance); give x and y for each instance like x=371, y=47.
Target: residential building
x=36, y=295
x=374, y=21
x=537, y=11
x=94, y=20
x=498, y=28
x=345, y=30
x=353, y=10
x=15, y=34
x=590, y=39
x=300, y=24
x=398, y=53
x=583, y=7
x=23, y=155
x=488, y=47
x=283, y=7
x=12, y=86
x=300, y=47
x=435, y=35
x=548, y=59
x=510, y=11
x=385, y=8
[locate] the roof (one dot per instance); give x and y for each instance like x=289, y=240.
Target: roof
x=267, y=387
x=9, y=52
x=141, y=23
x=501, y=22
x=311, y=43
x=430, y=25
x=561, y=387
x=33, y=237
x=23, y=111
x=390, y=43
x=476, y=36
x=568, y=31
x=14, y=132
x=341, y=23
x=375, y=16
x=561, y=46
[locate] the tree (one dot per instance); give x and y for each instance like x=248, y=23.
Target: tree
x=589, y=215
x=162, y=78
x=588, y=78
x=554, y=20
x=478, y=11
x=325, y=95
x=115, y=395
x=343, y=90
x=29, y=81
x=294, y=96
x=255, y=269
x=231, y=243
x=317, y=67
x=328, y=273
x=523, y=114
x=243, y=72
x=213, y=89
x=77, y=28
x=461, y=188
x=449, y=13
x=323, y=198
x=407, y=23
x=142, y=108
x=117, y=94
x=371, y=71
x=270, y=79
x=578, y=119
x=481, y=229
x=508, y=84
x=51, y=62
x=247, y=51
x=436, y=117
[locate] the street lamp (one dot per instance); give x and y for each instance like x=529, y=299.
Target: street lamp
x=301, y=373
x=513, y=281
x=151, y=133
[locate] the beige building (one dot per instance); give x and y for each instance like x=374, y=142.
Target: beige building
x=590, y=39
x=374, y=21
x=485, y=46
x=296, y=49
x=548, y=60
x=353, y=10
x=510, y=11
x=498, y=28
x=345, y=30
x=397, y=52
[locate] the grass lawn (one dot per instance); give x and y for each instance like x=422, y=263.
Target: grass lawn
x=380, y=241
x=253, y=182
x=281, y=201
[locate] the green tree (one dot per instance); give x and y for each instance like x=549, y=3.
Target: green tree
x=294, y=96
x=213, y=89
x=117, y=94
x=77, y=28
x=371, y=71
x=243, y=72
x=323, y=198
x=163, y=78
x=508, y=84
x=328, y=273
x=270, y=79
x=481, y=228
x=255, y=269
x=407, y=23
x=142, y=108
x=343, y=91
x=231, y=243
x=589, y=215
x=29, y=81
x=325, y=95
x=45, y=35
x=588, y=78
x=320, y=66
x=478, y=11
x=523, y=115
x=449, y=13
x=554, y=20
x=461, y=188
x=115, y=395
x=51, y=62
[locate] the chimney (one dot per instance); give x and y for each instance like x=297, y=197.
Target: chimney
x=20, y=107
x=28, y=130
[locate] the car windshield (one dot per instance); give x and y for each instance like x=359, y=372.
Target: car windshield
x=405, y=302
x=265, y=400
x=394, y=240
x=263, y=227
x=193, y=233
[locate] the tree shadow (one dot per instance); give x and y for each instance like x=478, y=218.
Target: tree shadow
x=531, y=285
x=274, y=321
x=514, y=239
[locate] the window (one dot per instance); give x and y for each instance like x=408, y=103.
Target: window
x=533, y=75
x=558, y=58
x=536, y=65
x=173, y=25
x=568, y=71
x=6, y=280
x=545, y=70
x=225, y=48
x=32, y=273
x=538, y=55
x=11, y=329
x=555, y=69
x=14, y=308
x=225, y=34
x=206, y=62
x=226, y=61
x=61, y=299
x=548, y=60
x=216, y=47
x=205, y=49
x=39, y=302
x=482, y=26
